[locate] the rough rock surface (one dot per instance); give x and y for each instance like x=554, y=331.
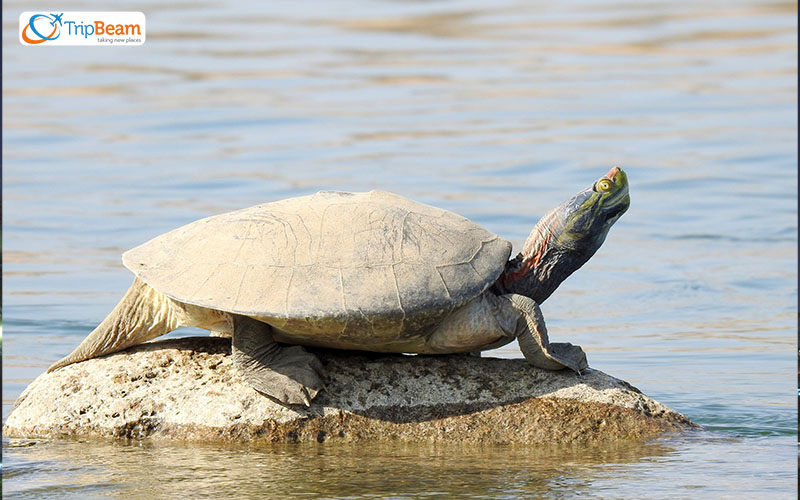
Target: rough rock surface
x=187, y=389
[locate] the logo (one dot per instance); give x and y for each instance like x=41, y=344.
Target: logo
x=38, y=37
x=81, y=28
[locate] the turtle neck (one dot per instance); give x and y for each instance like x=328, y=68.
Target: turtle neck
x=540, y=267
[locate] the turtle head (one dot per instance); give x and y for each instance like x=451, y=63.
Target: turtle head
x=565, y=238
x=589, y=215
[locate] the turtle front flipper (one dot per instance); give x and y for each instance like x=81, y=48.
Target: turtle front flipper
x=533, y=342
x=288, y=374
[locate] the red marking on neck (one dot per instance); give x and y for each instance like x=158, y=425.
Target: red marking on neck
x=531, y=261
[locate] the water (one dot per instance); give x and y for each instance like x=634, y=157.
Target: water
x=497, y=111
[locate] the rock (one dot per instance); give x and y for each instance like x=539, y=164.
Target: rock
x=188, y=390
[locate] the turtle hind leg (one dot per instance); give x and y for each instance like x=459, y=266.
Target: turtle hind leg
x=141, y=315
x=289, y=374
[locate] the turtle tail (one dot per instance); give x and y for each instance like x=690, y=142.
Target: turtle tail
x=141, y=315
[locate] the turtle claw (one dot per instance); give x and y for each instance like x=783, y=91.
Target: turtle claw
x=570, y=355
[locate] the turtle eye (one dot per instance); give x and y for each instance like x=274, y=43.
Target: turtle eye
x=603, y=185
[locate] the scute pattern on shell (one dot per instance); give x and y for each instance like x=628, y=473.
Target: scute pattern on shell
x=328, y=261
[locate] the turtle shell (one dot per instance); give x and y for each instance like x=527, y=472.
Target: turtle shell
x=330, y=264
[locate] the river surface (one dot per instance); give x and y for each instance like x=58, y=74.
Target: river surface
x=495, y=110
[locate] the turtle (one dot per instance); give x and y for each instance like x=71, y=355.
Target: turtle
x=369, y=271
